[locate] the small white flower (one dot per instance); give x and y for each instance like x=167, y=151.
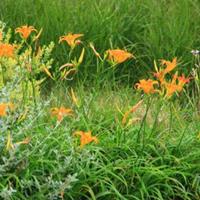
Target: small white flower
x=195, y=52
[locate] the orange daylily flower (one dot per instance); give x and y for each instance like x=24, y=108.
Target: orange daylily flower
x=147, y=86
x=168, y=88
x=7, y=50
x=86, y=138
x=170, y=65
x=160, y=75
x=61, y=112
x=118, y=56
x=132, y=110
x=182, y=80
x=4, y=107
x=25, y=31
x=174, y=87
x=171, y=89
x=71, y=39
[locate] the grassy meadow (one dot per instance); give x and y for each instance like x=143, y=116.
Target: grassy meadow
x=151, y=29
x=99, y=99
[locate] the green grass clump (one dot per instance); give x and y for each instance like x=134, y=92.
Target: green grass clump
x=156, y=158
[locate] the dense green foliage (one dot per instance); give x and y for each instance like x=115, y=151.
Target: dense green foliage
x=155, y=157
x=153, y=29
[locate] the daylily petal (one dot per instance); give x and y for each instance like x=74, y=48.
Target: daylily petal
x=118, y=56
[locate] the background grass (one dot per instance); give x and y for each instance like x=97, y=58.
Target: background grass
x=151, y=29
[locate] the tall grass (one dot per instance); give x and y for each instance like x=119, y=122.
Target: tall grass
x=160, y=165
x=155, y=158
x=150, y=29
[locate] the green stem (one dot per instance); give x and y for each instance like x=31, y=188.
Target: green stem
x=143, y=121
x=182, y=136
x=70, y=54
x=23, y=93
x=34, y=94
x=171, y=117
x=3, y=73
x=156, y=119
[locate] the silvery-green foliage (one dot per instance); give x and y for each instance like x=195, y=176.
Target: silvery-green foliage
x=7, y=192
